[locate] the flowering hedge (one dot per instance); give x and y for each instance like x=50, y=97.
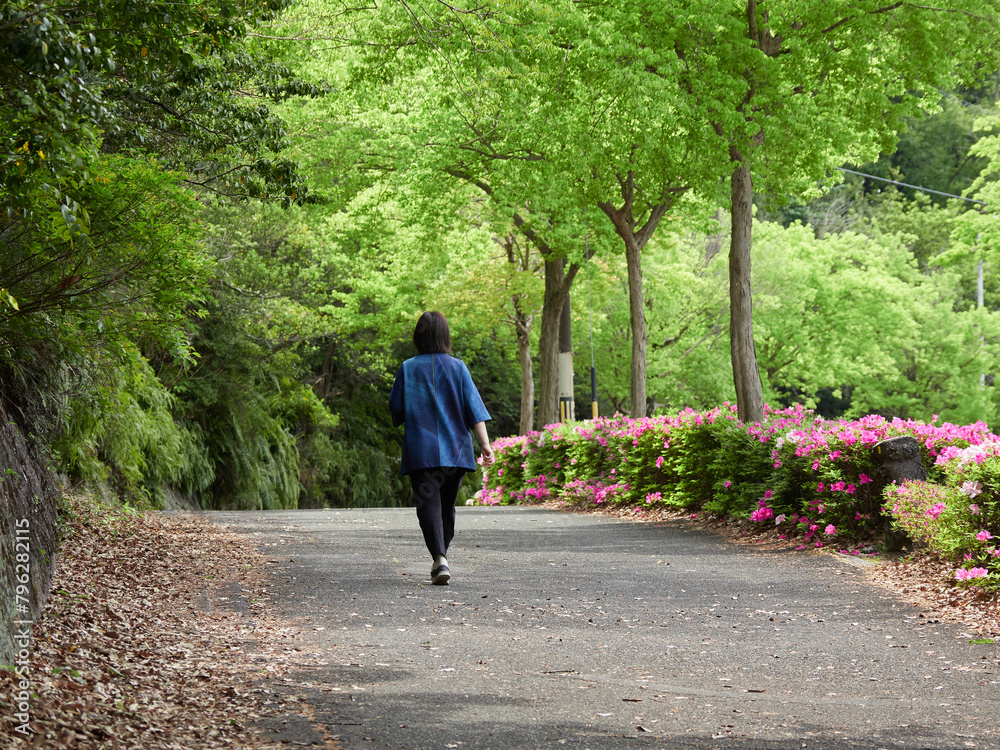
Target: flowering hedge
x=810, y=476
x=959, y=518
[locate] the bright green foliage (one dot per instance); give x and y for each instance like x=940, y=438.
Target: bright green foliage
x=630, y=107
x=816, y=299
x=397, y=236
x=135, y=283
x=686, y=310
x=793, y=88
x=108, y=75
x=122, y=429
x=922, y=225
x=977, y=233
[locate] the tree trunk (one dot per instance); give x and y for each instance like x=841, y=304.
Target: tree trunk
x=527, y=375
x=558, y=282
x=624, y=220
x=637, y=321
x=746, y=376
x=520, y=259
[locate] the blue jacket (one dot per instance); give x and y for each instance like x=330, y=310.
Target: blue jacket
x=438, y=404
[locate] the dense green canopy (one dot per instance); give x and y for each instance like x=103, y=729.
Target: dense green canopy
x=221, y=221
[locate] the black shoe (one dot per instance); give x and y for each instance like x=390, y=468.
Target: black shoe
x=440, y=575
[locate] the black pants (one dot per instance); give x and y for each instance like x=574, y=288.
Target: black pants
x=434, y=492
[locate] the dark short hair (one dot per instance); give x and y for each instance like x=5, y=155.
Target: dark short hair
x=431, y=336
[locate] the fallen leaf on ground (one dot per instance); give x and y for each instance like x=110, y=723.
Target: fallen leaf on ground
x=137, y=647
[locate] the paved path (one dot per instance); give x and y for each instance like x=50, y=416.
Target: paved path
x=563, y=630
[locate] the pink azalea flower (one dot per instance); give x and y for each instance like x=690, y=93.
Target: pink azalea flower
x=974, y=509
x=971, y=489
x=967, y=575
x=984, y=536
x=830, y=530
x=727, y=484
x=659, y=461
x=864, y=479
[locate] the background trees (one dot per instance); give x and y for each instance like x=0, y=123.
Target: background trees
x=630, y=108
x=211, y=272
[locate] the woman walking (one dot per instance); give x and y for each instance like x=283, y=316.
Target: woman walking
x=436, y=401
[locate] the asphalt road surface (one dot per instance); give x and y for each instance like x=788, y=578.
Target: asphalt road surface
x=564, y=630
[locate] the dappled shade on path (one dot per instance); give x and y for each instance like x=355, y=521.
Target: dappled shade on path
x=562, y=628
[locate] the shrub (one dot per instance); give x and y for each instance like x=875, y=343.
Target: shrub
x=508, y=471
x=814, y=475
x=960, y=519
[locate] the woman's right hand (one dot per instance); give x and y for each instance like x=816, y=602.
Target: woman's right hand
x=488, y=456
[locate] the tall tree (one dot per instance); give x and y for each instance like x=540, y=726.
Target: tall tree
x=794, y=88
x=405, y=129
x=522, y=266
x=562, y=134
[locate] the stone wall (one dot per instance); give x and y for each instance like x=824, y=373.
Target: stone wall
x=28, y=518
